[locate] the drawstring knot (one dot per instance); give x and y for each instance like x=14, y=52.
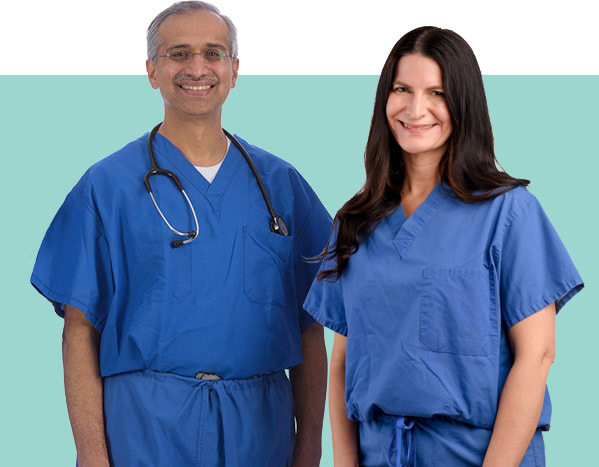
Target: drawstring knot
x=403, y=429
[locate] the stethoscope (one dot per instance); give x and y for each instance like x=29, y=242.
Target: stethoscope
x=277, y=224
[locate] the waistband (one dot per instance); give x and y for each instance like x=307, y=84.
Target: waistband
x=402, y=448
x=441, y=440
x=190, y=381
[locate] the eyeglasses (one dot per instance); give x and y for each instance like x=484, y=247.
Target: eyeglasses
x=213, y=56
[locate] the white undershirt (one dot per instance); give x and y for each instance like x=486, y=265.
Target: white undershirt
x=210, y=172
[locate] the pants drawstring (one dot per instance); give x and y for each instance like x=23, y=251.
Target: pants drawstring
x=403, y=428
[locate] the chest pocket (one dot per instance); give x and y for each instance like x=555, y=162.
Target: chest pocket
x=458, y=314
x=268, y=268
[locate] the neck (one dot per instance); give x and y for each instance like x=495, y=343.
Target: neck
x=421, y=174
x=202, y=142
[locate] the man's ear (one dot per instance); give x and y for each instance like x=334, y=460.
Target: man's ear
x=151, y=69
x=235, y=67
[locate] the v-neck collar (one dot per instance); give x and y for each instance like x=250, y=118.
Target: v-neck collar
x=407, y=229
x=169, y=157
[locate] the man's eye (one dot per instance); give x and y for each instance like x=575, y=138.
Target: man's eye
x=179, y=55
x=214, y=55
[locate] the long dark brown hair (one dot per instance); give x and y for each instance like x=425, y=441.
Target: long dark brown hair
x=468, y=166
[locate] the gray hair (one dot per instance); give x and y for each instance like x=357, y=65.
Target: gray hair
x=154, y=41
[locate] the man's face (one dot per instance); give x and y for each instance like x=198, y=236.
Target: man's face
x=196, y=88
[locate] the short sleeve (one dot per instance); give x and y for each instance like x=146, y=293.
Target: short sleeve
x=325, y=301
x=535, y=269
x=73, y=263
x=312, y=236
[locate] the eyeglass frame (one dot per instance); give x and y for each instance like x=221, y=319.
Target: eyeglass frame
x=189, y=55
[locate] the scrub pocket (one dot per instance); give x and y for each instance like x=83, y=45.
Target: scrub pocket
x=267, y=267
x=458, y=314
x=182, y=278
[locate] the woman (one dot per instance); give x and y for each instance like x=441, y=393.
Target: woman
x=441, y=280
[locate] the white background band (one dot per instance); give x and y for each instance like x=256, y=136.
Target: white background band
x=311, y=37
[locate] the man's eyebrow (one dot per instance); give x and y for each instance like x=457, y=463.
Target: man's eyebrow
x=216, y=46
x=178, y=46
x=208, y=45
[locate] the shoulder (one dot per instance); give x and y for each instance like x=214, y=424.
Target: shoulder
x=113, y=169
x=265, y=159
x=517, y=197
x=520, y=216
x=514, y=202
x=493, y=216
x=506, y=205
x=275, y=170
x=284, y=183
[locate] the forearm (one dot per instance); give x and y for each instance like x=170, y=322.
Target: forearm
x=309, y=385
x=521, y=402
x=518, y=413
x=344, y=431
x=83, y=389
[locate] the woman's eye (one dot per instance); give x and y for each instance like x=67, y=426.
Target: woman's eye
x=400, y=89
x=438, y=94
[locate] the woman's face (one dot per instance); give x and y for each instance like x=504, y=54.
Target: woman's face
x=417, y=112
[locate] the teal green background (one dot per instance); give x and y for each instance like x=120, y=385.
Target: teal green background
x=54, y=127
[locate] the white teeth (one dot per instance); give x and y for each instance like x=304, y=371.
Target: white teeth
x=417, y=128
x=196, y=88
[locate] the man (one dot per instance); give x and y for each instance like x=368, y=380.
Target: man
x=183, y=308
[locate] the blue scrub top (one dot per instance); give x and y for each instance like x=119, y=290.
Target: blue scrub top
x=229, y=303
x=426, y=303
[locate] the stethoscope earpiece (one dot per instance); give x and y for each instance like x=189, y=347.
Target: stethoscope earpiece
x=278, y=226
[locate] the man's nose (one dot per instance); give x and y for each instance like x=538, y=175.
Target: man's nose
x=196, y=63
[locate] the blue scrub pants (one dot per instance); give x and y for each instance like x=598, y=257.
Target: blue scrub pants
x=169, y=420
x=438, y=441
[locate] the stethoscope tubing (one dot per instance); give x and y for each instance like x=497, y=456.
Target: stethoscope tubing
x=195, y=218
x=277, y=224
